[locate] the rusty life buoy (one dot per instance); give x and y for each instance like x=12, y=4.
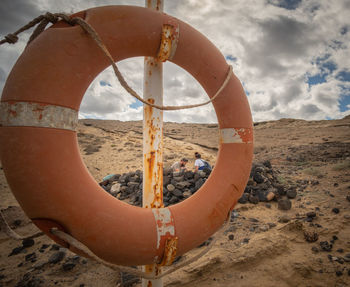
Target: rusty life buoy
x=39, y=148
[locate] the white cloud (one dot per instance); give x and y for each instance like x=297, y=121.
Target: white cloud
x=273, y=51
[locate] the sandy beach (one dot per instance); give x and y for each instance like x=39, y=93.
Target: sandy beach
x=262, y=246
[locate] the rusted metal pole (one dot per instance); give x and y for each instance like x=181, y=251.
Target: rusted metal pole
x=153, y=141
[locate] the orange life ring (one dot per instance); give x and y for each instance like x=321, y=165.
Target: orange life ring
x=39, y=148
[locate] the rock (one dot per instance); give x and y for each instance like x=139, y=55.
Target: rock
x=258, y=178
x=202, y=174
x=173, y=200
x=280, y=189
x=17, y=222
x=128, y=280
x=268, y=205
x=310, y=236
x=199, y=183
x=30, y=257
x=339, y=273
x=253, y=199
x=263, y=228
x=115, y=188
x=68, y=266
x=133, y=184
x=267, y=163
x=325, y=246
x=311, y=214
x=231, y=237
x=166, y=180
x=188, y=175
x=335, y=210
x=170, y=187
x=179, y=178
x=207, y=242
x=39, y=265
x=284, y=204
x=207, y=171
x=244, y=198
x=234, y=215
x=135, y=178
x=26, y=281
x=291, y=193
x=187, y=194
x=16, y=250
x=196, y=176
x=57, y=257
x=28, y=242
x=284, y=219
x=246, y=240
x=177, y=192
x=262, y=194
x=270, y=194
x=43, y=247
x=124, y=178
x=182, y=184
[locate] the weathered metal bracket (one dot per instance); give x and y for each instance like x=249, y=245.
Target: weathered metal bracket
x=169, y=40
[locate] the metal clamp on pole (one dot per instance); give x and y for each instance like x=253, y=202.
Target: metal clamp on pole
x=169, y=40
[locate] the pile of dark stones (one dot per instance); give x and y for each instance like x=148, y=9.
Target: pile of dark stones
x=177, y=186
x=263, y=186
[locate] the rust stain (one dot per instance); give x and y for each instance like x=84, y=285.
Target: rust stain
x=246, y=134
x=159, y=5
x=149, y=268
x=151, y=160
x=39, y=108
x=170, y=251
x=13, y=113
x=169, y=39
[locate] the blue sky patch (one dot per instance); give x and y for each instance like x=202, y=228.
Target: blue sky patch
x=344, y=102
x=103, y=83
x=286, y=4
x=136, y=105
x=325, y=68
x=231, y=58
x=328, y=67
x=317, y=79
x=343, y=76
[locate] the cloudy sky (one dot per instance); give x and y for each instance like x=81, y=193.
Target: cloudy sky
x=292, y=57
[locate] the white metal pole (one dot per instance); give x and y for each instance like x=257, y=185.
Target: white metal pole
x=152, y=196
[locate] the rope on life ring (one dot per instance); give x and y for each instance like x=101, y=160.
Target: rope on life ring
x=43, y=20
